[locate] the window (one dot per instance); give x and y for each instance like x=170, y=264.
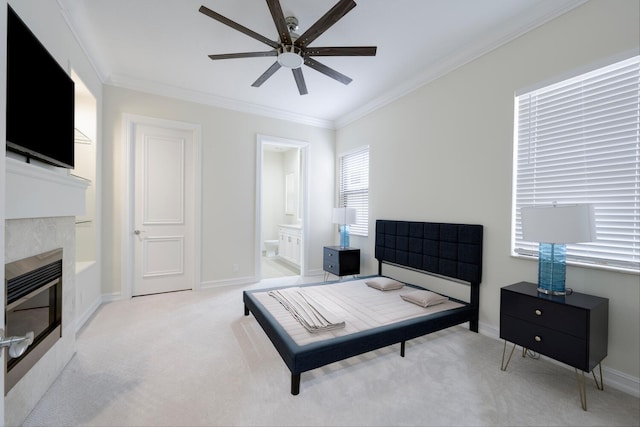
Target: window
x=578, y=141
x=354, y=188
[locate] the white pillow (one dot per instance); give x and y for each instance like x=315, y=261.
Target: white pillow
x=384, y=284
x=424, y=298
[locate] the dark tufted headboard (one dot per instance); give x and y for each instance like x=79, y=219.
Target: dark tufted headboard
x=451, y=250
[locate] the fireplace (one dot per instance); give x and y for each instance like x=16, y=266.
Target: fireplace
x=33, y=304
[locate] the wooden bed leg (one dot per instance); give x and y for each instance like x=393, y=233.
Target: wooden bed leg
x=246, y=310
x=295, y=384
x=402, y=349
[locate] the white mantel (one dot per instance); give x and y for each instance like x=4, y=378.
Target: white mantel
x=33, y=191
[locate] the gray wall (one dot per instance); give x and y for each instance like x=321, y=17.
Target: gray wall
x=444, y=153
x=229, y=146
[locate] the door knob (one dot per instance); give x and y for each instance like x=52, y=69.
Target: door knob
x=17, y=345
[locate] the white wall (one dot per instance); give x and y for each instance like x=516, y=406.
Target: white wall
x=85, y=167
x=46, y=21
x=444, y=153
x=272, y=194
x=291, y=160
x=276, y=165
x=228, y=182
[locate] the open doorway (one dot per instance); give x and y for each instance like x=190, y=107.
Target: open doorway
x=281, y=201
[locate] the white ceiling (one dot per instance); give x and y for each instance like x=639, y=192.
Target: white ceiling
x=161, y=46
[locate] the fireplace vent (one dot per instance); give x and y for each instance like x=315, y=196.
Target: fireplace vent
x=23, y=285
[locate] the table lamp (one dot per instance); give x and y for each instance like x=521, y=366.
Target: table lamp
x=344, y=217
x=553, y=226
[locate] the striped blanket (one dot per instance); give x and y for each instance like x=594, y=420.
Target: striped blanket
x=307, y=310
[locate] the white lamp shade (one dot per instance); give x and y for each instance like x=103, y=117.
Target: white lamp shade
x=558, y=223
x=344, y=216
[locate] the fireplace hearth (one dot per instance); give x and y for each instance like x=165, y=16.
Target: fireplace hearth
x=33, y=304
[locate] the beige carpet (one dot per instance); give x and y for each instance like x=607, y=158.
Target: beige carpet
x=192, y=358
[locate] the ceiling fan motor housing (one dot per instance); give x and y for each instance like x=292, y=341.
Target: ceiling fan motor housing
x=292, y=23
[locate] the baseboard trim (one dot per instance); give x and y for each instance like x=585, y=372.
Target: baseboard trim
x=612, y=377
x=82, y=320
x=115, y=296
x=248, y=280
x=621, y=381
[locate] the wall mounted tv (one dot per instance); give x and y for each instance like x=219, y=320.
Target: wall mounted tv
x=40, y=99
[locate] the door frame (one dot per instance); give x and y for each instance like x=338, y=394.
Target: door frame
x=129, y=123
x=261, y=141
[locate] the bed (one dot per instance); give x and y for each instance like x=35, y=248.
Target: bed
x=450, y=251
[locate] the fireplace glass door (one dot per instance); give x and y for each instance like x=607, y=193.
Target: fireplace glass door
x=34, y=304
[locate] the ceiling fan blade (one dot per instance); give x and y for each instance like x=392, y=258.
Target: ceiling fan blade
x=278, y=19
x=302, y=86
x=342, y=51
x=327, y=71
x=275, y=67
x=210, y=13
x=244, y=55
x=327, y=20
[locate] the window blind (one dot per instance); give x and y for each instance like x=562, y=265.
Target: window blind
x=354, y=188
x=578, y=141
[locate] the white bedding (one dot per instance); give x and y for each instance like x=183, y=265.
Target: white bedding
x=360, y=306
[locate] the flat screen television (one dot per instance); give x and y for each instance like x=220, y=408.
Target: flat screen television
x=40, y=99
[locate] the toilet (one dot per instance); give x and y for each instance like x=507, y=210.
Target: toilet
x=271, y=247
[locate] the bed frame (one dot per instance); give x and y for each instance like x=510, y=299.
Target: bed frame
x=451, y=251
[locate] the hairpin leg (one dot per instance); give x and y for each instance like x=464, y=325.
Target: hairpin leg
x=599, y=384
x=503, y=366
x=582, y=391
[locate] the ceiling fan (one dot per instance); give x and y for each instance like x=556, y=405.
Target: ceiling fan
x=293, y=50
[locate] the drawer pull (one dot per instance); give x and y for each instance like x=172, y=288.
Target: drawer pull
x=537, y=338
x=538, y=312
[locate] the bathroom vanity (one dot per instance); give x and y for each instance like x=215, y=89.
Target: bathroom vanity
x=290, y=247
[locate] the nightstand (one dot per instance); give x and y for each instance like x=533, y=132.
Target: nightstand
x=340, y=261
x=571, y=329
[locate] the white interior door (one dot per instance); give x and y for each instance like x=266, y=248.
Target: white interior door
x=163, y=210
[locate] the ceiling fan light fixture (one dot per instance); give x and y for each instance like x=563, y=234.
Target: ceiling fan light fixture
x=290, y=56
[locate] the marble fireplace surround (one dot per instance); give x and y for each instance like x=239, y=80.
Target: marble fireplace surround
x=41, y=206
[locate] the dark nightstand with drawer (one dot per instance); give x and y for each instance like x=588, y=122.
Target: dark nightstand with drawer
x=341, y=261
x=571, y=329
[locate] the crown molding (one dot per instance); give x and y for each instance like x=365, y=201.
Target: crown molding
x=66, y=10
x=213, y=100
x=497, y=38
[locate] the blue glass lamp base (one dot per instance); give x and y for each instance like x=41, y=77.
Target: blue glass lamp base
x=344, y=236
x=552, y=267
